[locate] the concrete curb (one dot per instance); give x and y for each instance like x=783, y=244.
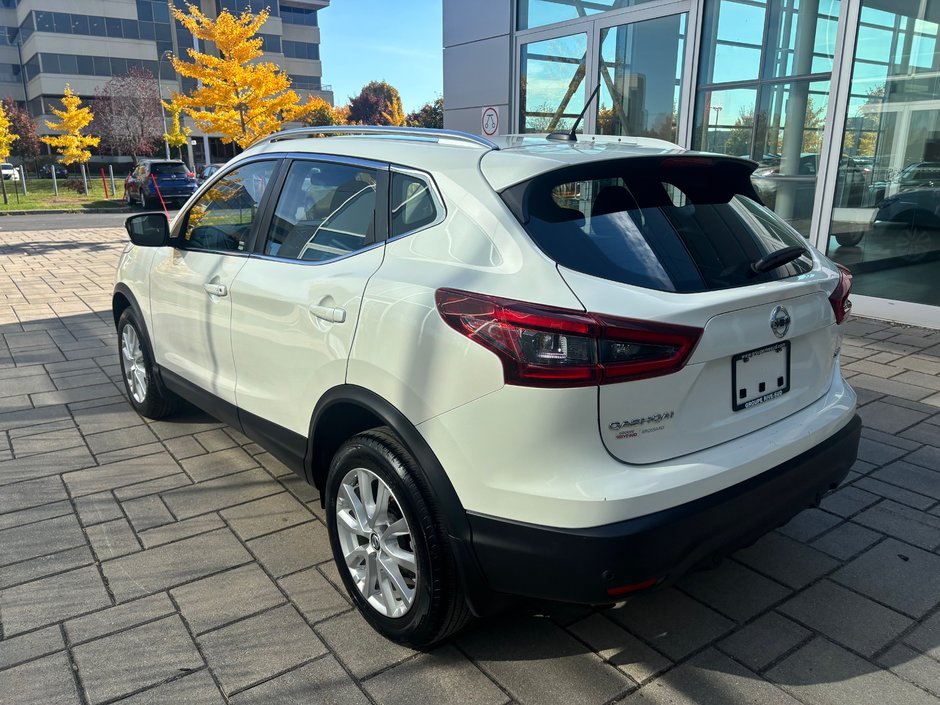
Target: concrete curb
x=54, y=211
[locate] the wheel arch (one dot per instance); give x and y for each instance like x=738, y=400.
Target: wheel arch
x=123, y=298
x=348, y=409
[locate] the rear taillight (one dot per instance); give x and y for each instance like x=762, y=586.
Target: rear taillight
x=190, y=174
x=541, y=346
x=839, y=298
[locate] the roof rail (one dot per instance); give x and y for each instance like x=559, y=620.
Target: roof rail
x=379, y=130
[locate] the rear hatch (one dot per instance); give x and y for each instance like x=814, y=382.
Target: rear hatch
x=668, y=241
x=173, y=178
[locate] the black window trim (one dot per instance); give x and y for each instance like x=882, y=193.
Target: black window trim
x=276, y=177
x=382, y=187
x=439, y=205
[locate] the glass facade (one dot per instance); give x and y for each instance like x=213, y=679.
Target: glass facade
x=890, y=238
x=535, y=13
x=641, y=68
x=306, y=16
x=551, y=83
x=301, y=50
x=864, y=187
x=763, y=93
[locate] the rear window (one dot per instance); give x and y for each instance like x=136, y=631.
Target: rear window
x=674, y=224
x=167, y=168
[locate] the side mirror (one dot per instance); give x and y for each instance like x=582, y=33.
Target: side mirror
x=148, y=229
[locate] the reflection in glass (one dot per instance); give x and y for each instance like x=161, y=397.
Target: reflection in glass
x=551, y=93
x=891, y=239
x=640, y=74
x=535, y=13
x=777, y=54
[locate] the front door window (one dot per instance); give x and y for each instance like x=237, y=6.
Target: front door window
x=223, y=218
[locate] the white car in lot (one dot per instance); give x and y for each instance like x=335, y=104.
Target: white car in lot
x=567, y=370
x=9, y=172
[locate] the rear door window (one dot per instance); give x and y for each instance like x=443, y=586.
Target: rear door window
x=676, y=224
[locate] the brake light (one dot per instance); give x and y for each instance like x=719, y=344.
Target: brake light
x=839, y=298
x=541, y=346
x=190, y=174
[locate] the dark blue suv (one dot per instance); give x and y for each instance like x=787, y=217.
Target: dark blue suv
x=156, y=179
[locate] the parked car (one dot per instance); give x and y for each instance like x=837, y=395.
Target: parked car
x=171, y=177
x=913, y=219
x=46, y=170
x=207, y=171
x=9, y=172
x=919, y=175
x=851, y=184
x=496, y=392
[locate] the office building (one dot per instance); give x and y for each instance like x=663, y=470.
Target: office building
x=46, y=44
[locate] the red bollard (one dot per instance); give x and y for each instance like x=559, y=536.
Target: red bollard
x=105, y=182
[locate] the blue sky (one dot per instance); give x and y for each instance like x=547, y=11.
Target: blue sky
x=399, y=42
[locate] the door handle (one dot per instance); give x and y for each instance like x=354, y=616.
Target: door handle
x=215, y=289
x=329, y=313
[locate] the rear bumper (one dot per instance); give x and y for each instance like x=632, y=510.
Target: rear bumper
x=581, y=565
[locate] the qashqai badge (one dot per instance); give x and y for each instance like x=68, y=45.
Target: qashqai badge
x=780, y=321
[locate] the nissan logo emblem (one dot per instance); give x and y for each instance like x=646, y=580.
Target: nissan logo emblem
x=780, y=321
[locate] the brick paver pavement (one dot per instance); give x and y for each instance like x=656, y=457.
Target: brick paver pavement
x=177, y=562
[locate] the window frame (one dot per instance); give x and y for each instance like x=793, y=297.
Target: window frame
x=382, y=186
x=179, y=226
x=428, y=179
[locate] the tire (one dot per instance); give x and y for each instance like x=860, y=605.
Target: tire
x=849, y=239
x=408, y=532
x=145, y=390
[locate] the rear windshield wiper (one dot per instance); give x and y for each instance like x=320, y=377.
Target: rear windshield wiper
x=777, y=259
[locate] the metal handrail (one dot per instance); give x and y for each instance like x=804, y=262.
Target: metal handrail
x=379, y=130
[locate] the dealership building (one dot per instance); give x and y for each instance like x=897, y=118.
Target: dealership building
x=46, y=44
x=838, y=101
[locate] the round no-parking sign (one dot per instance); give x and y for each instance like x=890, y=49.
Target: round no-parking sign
x=490, y=121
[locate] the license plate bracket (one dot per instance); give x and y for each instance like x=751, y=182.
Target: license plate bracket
x=760, y=375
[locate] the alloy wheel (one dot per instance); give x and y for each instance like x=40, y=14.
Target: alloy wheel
x=376, y=543
x=135, y=370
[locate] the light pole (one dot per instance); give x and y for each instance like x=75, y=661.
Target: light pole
x=166, y=142
x=717, y=110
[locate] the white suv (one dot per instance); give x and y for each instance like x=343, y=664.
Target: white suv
x=563, y=370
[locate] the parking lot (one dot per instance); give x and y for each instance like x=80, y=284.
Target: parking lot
x=177, y=562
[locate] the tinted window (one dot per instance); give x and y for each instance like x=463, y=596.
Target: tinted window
x=168, y=168
x=222, y=217
x=324, y=211
x=676, y=225
x=412, y=204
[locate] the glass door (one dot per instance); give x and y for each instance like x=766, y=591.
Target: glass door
x=639, y=56
x=641, y=66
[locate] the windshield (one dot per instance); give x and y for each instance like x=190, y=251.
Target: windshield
x=674, y=224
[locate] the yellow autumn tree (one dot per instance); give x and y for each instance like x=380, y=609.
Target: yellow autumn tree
x=71, y=143
x=240, y=98
x=322, y=113
x=178, y=136
x=7, y=137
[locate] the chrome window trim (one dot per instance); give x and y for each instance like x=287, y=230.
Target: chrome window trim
x=311, y=263
x=429, y=181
